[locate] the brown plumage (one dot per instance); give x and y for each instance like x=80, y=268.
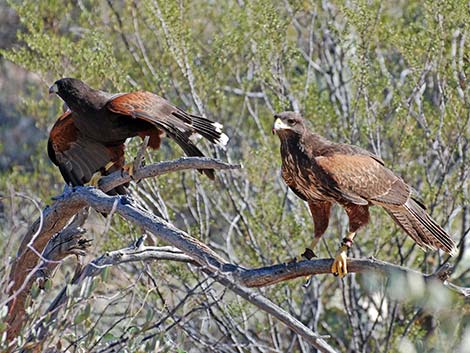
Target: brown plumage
x=322, y=172
x=92, y=132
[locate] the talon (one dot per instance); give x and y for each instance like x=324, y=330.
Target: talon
x=292, y=261
x=95, y=179
x=130, y=169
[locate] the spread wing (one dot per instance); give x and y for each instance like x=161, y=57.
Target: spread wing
x=362, y=179
x=176, y=123
x=79, y=157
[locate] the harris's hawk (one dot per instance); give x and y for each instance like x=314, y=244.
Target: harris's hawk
x=90, y=136
x=322, y=173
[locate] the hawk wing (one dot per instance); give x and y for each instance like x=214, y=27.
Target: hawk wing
x=176, y=123
x=362, y=179
x=79, y=157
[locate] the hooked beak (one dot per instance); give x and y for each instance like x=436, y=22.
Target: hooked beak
x=279, y=125
x=53, y=89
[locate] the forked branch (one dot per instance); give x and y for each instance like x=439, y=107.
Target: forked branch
x=30, y=261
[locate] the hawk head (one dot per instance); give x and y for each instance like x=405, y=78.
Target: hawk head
x=67, y=86
x=78, y=96
x=288, y=122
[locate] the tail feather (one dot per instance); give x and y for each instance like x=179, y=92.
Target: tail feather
x=422, y=228
x=212, y=131
x=191, y=150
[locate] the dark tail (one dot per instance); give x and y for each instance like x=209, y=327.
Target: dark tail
x=208, y=129
x=190, y=149
x=422, y=228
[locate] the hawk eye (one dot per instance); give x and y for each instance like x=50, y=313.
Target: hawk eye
x=291, y=121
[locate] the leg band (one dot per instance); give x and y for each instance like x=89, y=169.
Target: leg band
x=347, y=242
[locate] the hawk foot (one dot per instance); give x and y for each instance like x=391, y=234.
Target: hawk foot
x=95, y=179
x=129, y=169
x=339, y=267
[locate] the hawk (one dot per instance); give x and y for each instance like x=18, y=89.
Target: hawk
x=90, y=136
x=322, y=173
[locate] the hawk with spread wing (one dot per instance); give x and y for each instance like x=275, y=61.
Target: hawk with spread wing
x=90, y=136
x=322, y=173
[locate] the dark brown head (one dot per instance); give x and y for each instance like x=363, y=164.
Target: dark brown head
x=66, y=87
x=76, y=94
x=288, y=123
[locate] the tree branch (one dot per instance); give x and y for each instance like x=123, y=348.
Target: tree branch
x=198, y=251
x=69, y=241
x=232, y=276
x=54, y=218
x=118, y=178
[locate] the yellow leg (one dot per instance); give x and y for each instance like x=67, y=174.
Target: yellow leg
x=108, y=166
x=129, y=168
x=95, y=178
x=339, y=267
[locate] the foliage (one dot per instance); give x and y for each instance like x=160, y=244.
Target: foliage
x=389, y=76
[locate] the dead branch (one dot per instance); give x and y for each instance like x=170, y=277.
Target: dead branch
x=54, y=218
x=80, y=197
x=69, y=241
x=117, y=178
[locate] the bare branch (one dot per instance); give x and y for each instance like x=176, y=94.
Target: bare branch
x=200, y=253
x=118, y=178
x=53, y=219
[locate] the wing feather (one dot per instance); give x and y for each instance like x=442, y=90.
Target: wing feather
x=363, y=178
x=158, y=111
x=77, y=156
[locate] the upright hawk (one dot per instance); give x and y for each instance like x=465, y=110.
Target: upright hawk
x=322, y=173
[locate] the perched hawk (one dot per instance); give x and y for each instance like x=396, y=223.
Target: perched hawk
x=322, y=172
x=89, y=137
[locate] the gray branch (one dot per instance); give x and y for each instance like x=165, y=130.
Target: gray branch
x=120, y=177
x=53, y=219
x=205, y=257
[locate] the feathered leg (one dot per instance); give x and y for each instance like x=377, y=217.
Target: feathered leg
x=320, y=212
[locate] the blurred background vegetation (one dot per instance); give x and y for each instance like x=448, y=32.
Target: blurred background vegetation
x=390, y=76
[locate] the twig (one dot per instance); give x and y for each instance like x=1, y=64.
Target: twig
x=140, y=154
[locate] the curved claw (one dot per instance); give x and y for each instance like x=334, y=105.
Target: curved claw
x=95, y=179
x=339, y=267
